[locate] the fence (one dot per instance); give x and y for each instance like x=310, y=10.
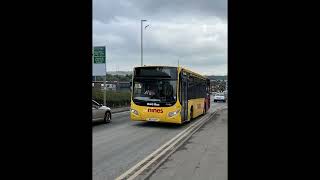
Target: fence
x=117, y=98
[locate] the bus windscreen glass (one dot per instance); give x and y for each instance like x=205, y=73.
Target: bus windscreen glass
x=159, y=91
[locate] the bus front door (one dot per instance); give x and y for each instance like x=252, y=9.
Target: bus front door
x=184, y=98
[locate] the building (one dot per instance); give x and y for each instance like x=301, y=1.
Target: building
x=112, y=85
x=217, y=85
x=124, y=86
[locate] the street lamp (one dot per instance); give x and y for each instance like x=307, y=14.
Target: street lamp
x=142, y=42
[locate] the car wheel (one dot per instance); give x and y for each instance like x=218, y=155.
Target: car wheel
x=107, y=117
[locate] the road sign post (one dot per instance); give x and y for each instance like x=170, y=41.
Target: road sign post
x=99, y=66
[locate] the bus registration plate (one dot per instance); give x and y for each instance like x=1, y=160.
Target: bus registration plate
x=153, y=119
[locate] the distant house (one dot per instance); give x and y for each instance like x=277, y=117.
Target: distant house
x=217, y=85
x=111, y=85
x=123, y=86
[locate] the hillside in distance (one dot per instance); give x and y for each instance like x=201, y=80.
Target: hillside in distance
x=124, y=73
x=121, y=73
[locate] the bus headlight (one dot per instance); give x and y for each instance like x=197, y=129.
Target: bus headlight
x=134, y=112
x=171, y=114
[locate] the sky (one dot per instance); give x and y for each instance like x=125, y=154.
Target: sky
x=193, y=32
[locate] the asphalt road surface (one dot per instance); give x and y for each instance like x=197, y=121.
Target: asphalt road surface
x=203, y=157
x=119, y=145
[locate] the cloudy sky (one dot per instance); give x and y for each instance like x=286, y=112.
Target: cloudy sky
x=193, y=31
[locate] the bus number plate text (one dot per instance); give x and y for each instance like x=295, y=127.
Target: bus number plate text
x=153, y=119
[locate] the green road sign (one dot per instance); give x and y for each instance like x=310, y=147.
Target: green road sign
x=99, y=60
x=99, y=55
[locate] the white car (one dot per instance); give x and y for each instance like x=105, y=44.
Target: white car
x=100, y=112
x=219, y=97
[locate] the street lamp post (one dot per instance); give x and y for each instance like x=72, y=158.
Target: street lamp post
x=142, y=41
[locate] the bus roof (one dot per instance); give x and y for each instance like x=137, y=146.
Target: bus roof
x=189, y=71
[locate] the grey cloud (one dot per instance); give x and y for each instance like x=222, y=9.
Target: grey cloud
x=106, y=10
x=169, y=7
x=198, y=39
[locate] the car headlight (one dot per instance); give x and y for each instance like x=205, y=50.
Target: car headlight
x=134, y=112
x=171, y=114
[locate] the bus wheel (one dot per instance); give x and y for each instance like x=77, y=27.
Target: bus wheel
x=205, y=109
x=191, y=113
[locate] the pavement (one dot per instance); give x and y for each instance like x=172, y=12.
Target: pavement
x=119, y=145
x=202, y=157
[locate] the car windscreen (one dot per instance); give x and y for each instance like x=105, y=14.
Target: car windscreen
x=95, y=103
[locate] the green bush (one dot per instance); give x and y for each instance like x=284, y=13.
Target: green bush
x=113, y=99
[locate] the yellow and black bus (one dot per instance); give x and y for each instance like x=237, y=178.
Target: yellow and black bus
x=168, y=94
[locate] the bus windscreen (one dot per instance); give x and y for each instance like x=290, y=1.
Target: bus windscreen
x=160, y=91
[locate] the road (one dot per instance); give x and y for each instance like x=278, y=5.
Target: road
x=203, y=157
x=121, y=144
